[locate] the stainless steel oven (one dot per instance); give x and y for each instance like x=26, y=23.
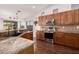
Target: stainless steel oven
x=49, y=30
x=48, y=37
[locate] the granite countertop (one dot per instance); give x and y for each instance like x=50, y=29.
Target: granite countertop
x=24, y=33
x=13, y=45
x=75, y=32
x=11, y=30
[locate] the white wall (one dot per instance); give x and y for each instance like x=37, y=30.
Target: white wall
x=1, y=24
x=49, y=10
x=75, y=6
x=60, y=7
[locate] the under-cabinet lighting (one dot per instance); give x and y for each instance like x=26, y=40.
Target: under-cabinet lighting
x=33, y=6
x=63, y=27
x=77, y=27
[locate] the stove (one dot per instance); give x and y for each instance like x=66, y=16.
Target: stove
x=48, y=34
x=49, y=30
x=48, y=37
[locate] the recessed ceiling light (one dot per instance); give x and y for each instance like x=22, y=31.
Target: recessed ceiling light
x=33, y=6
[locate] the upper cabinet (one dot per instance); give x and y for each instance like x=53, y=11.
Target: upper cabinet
x=42, y=20
x=57, y=19
x=70, y=18
x=50, y=17
x=67, y=18
x=64, y=18
x=76, y=16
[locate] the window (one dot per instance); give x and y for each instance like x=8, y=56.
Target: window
x=9, y=25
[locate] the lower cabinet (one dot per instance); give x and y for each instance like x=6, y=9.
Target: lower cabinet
x=40, y=35
x=67, y=39
x=28, y=35
x=3, y=34
x=58, y=37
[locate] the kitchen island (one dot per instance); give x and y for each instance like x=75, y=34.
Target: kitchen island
x=16, y=45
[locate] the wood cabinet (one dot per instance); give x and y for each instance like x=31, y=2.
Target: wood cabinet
x=57, y=19
x=28, y=35
x=70, y=18
x=50, y=17
x=76, y=16
x=40, y=35
x=71, y=40
x=67, y=39
x=3, y=34
x=64, y=18
x=58, y=37
x=42, y=20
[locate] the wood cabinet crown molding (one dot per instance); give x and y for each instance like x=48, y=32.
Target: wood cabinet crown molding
x=70, y=17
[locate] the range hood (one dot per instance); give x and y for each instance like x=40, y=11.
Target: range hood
x=49, y=26
x=50, y=22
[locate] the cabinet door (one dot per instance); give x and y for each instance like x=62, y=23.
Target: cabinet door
x=28, y=36
x=58, y=37
x=50, y=17
x=71, y=40
x=67, y=18
x=44, y=20
x=63, y=18
x=37, y=35
x=76, y=16
x=70, y=18
x=42, y=35
x=58, y=40
x=76, y=40
x=57, y=19
x=40, y=20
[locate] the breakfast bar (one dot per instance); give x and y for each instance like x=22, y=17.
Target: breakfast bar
x=16, y=45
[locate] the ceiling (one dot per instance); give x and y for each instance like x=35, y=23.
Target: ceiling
x=25, y=11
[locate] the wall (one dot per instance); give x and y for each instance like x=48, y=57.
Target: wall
x=61, y=8
x=49, y=10
x=75, y=6
x=1, y=24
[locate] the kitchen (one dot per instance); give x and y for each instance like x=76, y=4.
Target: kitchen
x=65, y=27
x=55, y=24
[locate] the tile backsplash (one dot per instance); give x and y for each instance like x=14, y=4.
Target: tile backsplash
x=72, y=29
